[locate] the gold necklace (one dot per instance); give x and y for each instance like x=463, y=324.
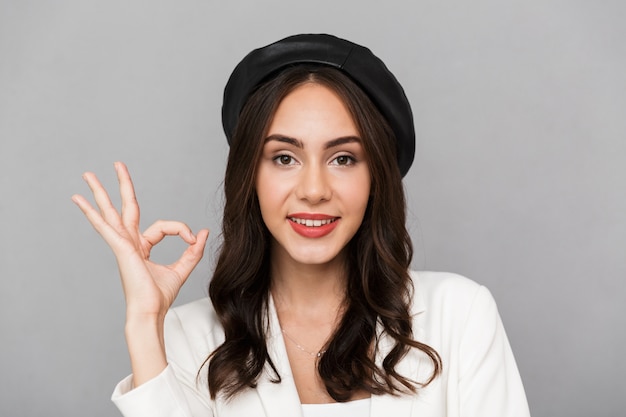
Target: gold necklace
x=302, y=348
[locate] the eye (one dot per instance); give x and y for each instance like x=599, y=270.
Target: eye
x=343, y=160
x=284, y=160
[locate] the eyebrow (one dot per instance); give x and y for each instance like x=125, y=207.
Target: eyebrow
x=298, y=143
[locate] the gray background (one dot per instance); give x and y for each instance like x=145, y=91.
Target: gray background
x=519, y=180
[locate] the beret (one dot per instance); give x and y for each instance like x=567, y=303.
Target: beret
x=356, y=61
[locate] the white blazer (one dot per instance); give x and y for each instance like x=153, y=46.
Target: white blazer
x=452, y=314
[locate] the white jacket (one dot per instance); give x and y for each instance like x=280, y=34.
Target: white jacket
x=452, y=314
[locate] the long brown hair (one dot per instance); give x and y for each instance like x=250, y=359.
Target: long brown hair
x=379, y=256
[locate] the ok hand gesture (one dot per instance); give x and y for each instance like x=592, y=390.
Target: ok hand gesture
x=149, y=288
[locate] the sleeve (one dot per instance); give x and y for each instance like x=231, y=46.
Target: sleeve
x=162, y=396
x=175, y=392
x=489, y=381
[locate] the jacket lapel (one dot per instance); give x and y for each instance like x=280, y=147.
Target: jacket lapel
x=279, y=400
x=411, y=365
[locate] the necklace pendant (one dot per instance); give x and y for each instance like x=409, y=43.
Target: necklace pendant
x=302, y=348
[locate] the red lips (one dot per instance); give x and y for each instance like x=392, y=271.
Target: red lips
x=314, y=229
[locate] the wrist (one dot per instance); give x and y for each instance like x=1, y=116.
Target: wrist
x=138, y=319
x=144, y=332
x=146, y=346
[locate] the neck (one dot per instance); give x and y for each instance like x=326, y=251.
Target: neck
x=308, y=293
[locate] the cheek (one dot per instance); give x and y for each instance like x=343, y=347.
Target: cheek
x=270, y=191
x=357, y=192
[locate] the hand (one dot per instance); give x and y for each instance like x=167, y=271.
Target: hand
x=149, y=288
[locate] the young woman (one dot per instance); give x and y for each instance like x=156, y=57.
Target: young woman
x=313, y=310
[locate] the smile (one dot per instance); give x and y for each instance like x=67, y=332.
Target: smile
x=313, y=226
x=312, y=222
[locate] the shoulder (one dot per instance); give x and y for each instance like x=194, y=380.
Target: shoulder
x=444, y=286
x=459, y=319
x=192, y=331
x=431, y=280
x=197, y=316
x=448, y=297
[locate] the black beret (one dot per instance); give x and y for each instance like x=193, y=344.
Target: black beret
x=356, y=61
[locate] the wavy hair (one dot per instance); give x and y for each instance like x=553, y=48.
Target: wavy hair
x=379, y=287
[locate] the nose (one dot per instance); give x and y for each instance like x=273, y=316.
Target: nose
x=313, y=185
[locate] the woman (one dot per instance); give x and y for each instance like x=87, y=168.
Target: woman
x=313, y=310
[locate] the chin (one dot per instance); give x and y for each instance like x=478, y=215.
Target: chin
x=313, y=259
x=307, y=255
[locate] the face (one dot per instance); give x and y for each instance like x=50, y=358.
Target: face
x=313, y=181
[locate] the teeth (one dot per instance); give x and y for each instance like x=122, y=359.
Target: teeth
x=312, y=223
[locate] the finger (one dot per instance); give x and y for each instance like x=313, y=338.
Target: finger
x=192, y=255
x=130, y=207
x=95, y=218
x=161, y=228
x=108, y=211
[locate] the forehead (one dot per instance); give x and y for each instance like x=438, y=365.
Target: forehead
x=313, y=110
